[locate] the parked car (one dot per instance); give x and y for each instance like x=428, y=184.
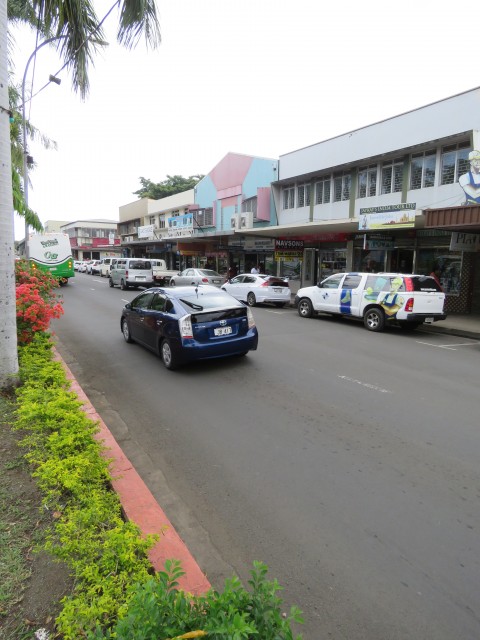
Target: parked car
x=93, y=266
x=183, y=324
x=76, y=264
x=197, y=276
x=82, y=266
x=259, y=288
x=131, y=272
x=407, y=300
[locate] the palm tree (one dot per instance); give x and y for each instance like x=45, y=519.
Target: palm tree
x=77, y=35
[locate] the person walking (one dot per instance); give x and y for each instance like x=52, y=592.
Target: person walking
x=254, y=270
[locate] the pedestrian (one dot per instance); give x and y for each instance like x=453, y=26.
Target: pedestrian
x=232, y=272
x=254, y=269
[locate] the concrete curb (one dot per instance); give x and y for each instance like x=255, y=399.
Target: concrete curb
x=138, y=503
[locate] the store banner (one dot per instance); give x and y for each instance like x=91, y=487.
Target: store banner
x=461, y=241
x=395, y=216
x=146, y=231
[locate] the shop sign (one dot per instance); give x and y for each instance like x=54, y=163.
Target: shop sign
x=146, y=231
x=464, y=241
x=289, y=245
x=180, y=233
x=250, y=244
x=376, y=243
x=288, y=255
x=395, y=216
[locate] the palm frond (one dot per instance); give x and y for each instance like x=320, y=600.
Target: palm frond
x=138, y=17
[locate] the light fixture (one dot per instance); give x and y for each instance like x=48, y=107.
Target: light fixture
x=55, y=79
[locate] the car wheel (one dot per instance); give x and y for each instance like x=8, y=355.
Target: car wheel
x=110, y=282
x=172, y=282
x=123, y=285
x=166, y=353
x=305, y=308
x=251, y=299
x=374, y=319
x=126, y=331
x=279, y=304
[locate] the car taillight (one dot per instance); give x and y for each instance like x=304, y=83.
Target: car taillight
x=408, y=284
x=185, y=326
x=409, y=305
x=251, y=319
x=126, y=273
x=205, y=280
x=265, y=284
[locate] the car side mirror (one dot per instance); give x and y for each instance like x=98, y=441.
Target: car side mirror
x=128, y=305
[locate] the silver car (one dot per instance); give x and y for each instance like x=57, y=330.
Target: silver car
x=197, y=276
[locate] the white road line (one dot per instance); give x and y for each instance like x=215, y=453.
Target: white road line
x=450, y=347
x=365, y=384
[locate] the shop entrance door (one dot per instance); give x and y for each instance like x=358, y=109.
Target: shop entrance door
x=401, y=261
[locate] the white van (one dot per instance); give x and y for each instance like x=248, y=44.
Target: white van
x=407, y=300
x=105, y=266
x=131, y=272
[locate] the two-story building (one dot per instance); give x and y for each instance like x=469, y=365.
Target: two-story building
x=92, y=239
x=401, y=195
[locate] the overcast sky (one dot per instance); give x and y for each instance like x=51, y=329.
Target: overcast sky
x=259, y=77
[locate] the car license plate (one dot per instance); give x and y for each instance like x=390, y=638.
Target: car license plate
x=278, y=290
x=217, y=282
x=222, y=331
x=429, y=320
x=139, y=277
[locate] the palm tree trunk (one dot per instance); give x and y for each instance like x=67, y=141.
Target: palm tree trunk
x=8, y=321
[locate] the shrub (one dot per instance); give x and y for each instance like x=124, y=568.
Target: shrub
x=36, y=302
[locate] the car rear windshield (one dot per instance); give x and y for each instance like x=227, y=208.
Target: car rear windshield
x=425, y=283
x=275, y=282
x=208, y=300
x=208, y=272
x=136, y=264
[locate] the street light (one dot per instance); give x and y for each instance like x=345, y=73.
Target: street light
x=24, y=123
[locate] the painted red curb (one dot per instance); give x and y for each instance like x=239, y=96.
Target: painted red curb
x=138, y=503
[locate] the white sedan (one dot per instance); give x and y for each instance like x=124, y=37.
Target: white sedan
x=258, y=288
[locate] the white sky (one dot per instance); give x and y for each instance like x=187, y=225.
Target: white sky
x=260, y=77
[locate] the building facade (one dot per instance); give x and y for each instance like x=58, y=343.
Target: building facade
x=92, y=239
x=391, y=196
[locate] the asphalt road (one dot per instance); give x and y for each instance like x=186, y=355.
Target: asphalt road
x=346, y=460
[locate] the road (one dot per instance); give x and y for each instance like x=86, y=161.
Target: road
x=347, y=461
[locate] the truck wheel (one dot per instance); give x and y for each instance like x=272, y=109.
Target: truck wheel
x=374, y=319
x=305, y=308
x=166, y=353
x=123, y=285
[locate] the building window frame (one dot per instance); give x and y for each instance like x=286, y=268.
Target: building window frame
x=323, y=190
x=303, y=195
x=454, y=162
x=342, y=184
x=392, y=176
x=288, y=197
x=367, y=181
x=423, y=169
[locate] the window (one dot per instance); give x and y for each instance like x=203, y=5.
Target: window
x=289, y=197
x=322, y=191
x=303, y=194
x=250, y=204
x=158, y=303
x=351, y=281
x=422, y=170
x=392, y=176
x=367, y=181
x=333, y=282
x=454, y=162
x=143, y=301
x=152, y=220
x=341, y=186
x=203, y=217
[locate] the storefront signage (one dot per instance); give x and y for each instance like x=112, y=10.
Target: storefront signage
x=180, y=233
x=146, y=232
x=464, y=241
x=375, y=243
x=289, y=245
x=288, y=255
x=250, y=244
x=395, y=216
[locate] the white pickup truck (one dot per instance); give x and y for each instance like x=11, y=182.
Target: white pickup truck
x=162, y=275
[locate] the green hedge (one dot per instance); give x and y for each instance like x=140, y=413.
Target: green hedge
x=116, y=593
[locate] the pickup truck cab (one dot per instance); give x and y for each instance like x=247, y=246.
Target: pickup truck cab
x=161, y=274
x=407, y=300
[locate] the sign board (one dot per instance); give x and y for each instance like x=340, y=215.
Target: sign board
x=461, y=241
x=146, y=231
x=395, y=216
x=289, y=245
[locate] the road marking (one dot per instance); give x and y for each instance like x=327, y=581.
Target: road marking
x=451, y=347
x=365, y=384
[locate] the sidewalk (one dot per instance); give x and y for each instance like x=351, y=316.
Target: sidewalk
x=466, y=326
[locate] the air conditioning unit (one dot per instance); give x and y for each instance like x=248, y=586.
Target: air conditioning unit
x=246, y=221
x=235, y=221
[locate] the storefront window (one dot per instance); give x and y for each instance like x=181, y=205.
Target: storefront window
x=370, y=261
x=332, y=261
x=447, y=266
x=290, y=269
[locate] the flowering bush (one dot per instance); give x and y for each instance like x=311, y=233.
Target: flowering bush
x=36, y=301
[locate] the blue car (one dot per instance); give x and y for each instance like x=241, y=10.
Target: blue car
x=184, y=324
